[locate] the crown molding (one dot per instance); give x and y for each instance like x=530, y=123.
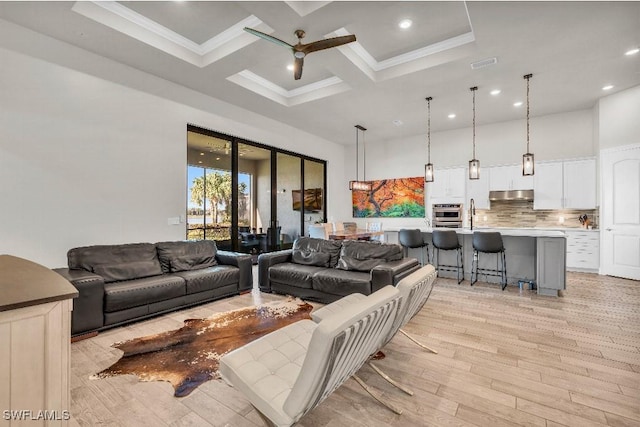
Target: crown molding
x=288, y=98
x=122, y=19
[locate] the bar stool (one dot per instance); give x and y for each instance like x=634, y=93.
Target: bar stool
x=413, y=239
x=447, y=240
x=489, y=242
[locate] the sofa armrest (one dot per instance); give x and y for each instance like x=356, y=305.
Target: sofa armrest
x=265, y=261
x=243, y=262
x=87, y=312
x=390, y=273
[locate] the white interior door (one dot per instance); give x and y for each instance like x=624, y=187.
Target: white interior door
x=620, y=231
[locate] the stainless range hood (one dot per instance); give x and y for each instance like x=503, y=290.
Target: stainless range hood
x=511, y=195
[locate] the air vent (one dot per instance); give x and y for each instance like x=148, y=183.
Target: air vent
x=484, y=63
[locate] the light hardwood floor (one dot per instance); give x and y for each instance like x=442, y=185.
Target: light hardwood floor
x=505, y=358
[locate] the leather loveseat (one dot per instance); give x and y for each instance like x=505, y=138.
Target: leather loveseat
x=327, y=270
x=121, y=283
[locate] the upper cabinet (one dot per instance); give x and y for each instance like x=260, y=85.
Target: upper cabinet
x=547, y=186
x=569, y=184
x=448, y=186
x=504, y=178
x=478, y=189
x=580, y=184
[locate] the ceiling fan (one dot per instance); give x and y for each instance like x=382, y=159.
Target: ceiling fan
x=301, y=50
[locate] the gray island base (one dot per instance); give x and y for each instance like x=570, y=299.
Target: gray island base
x=532, y=254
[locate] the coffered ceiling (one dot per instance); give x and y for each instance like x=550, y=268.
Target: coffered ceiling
x=573, y=49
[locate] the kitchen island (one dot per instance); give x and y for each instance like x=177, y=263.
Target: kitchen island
x=532, y=254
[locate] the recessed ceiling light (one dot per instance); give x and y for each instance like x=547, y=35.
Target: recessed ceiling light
x=607, y=87
x=495, y=92
x=202, y=154
x=452, y=116
x=397, y=122
x=217, y=158
x=517, y=104
x=405, y=23
x=200, y=162
x=290, y=67
x=632, y=52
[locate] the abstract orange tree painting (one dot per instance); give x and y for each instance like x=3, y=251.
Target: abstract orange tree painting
x=400, y=198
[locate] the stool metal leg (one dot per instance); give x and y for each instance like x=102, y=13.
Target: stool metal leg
x=504, y=269
x=459, y=265
x=475, y=262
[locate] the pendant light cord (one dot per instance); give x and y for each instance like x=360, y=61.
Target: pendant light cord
x=357, y=156
x=473, y=90
x=429, y=129
x=528, y=76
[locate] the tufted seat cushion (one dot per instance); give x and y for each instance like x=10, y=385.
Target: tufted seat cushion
x=272, y=366
x=134, y=293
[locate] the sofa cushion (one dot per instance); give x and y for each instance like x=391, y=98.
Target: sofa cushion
x=210, y=278
x=363, y=255
x=297, y=275
x=127, y=270
x=117, y=262
x=186, y=255
x=308, y=249
x=133, y=293
x=340, y=282
x=319, y=259
x=191, y=262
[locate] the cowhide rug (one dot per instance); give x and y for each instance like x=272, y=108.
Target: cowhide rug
x=189, y=356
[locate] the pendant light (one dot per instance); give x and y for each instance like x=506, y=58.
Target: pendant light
x=527, y=158
x=360, y=185
x=474, y=164
x=428, y=168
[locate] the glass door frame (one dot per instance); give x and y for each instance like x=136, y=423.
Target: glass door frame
x=234, y=141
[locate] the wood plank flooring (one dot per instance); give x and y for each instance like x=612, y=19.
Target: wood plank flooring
x=504, y=359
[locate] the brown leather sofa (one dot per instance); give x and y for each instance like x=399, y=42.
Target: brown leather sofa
x=122, y=283
x=327, y=270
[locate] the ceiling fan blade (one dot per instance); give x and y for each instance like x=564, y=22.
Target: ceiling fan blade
x=268, y=37
x=297, y=68
x=327, y=43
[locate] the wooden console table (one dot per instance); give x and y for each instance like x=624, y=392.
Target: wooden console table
x=35, y=332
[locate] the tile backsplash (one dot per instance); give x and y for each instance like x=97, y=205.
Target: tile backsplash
x=520, y=213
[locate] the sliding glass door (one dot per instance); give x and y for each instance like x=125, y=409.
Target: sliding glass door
x=247, y=196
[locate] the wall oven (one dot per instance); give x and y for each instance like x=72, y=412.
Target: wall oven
x=447, y=215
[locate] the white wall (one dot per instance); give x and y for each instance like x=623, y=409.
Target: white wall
x=86, y=161
x=619, y=119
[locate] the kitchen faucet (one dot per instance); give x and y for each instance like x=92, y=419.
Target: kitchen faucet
x=472, y=204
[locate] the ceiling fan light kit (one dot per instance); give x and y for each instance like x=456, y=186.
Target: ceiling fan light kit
x=301, y=50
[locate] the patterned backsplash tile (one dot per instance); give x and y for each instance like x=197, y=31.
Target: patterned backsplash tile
x=520, y=213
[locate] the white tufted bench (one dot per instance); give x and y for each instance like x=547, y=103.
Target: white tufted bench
x=288, y=372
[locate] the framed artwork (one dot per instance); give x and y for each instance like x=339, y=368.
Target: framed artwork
x=390, y=198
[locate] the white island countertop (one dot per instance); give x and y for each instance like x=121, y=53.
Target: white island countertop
x=512, y=232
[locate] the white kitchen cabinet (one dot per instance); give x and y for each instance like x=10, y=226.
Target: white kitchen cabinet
x=583, y=250
x=508, y=178
x=547, y=186
x=448, y=185
x=478, y=190
x=580, y=184
x=567, y=184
